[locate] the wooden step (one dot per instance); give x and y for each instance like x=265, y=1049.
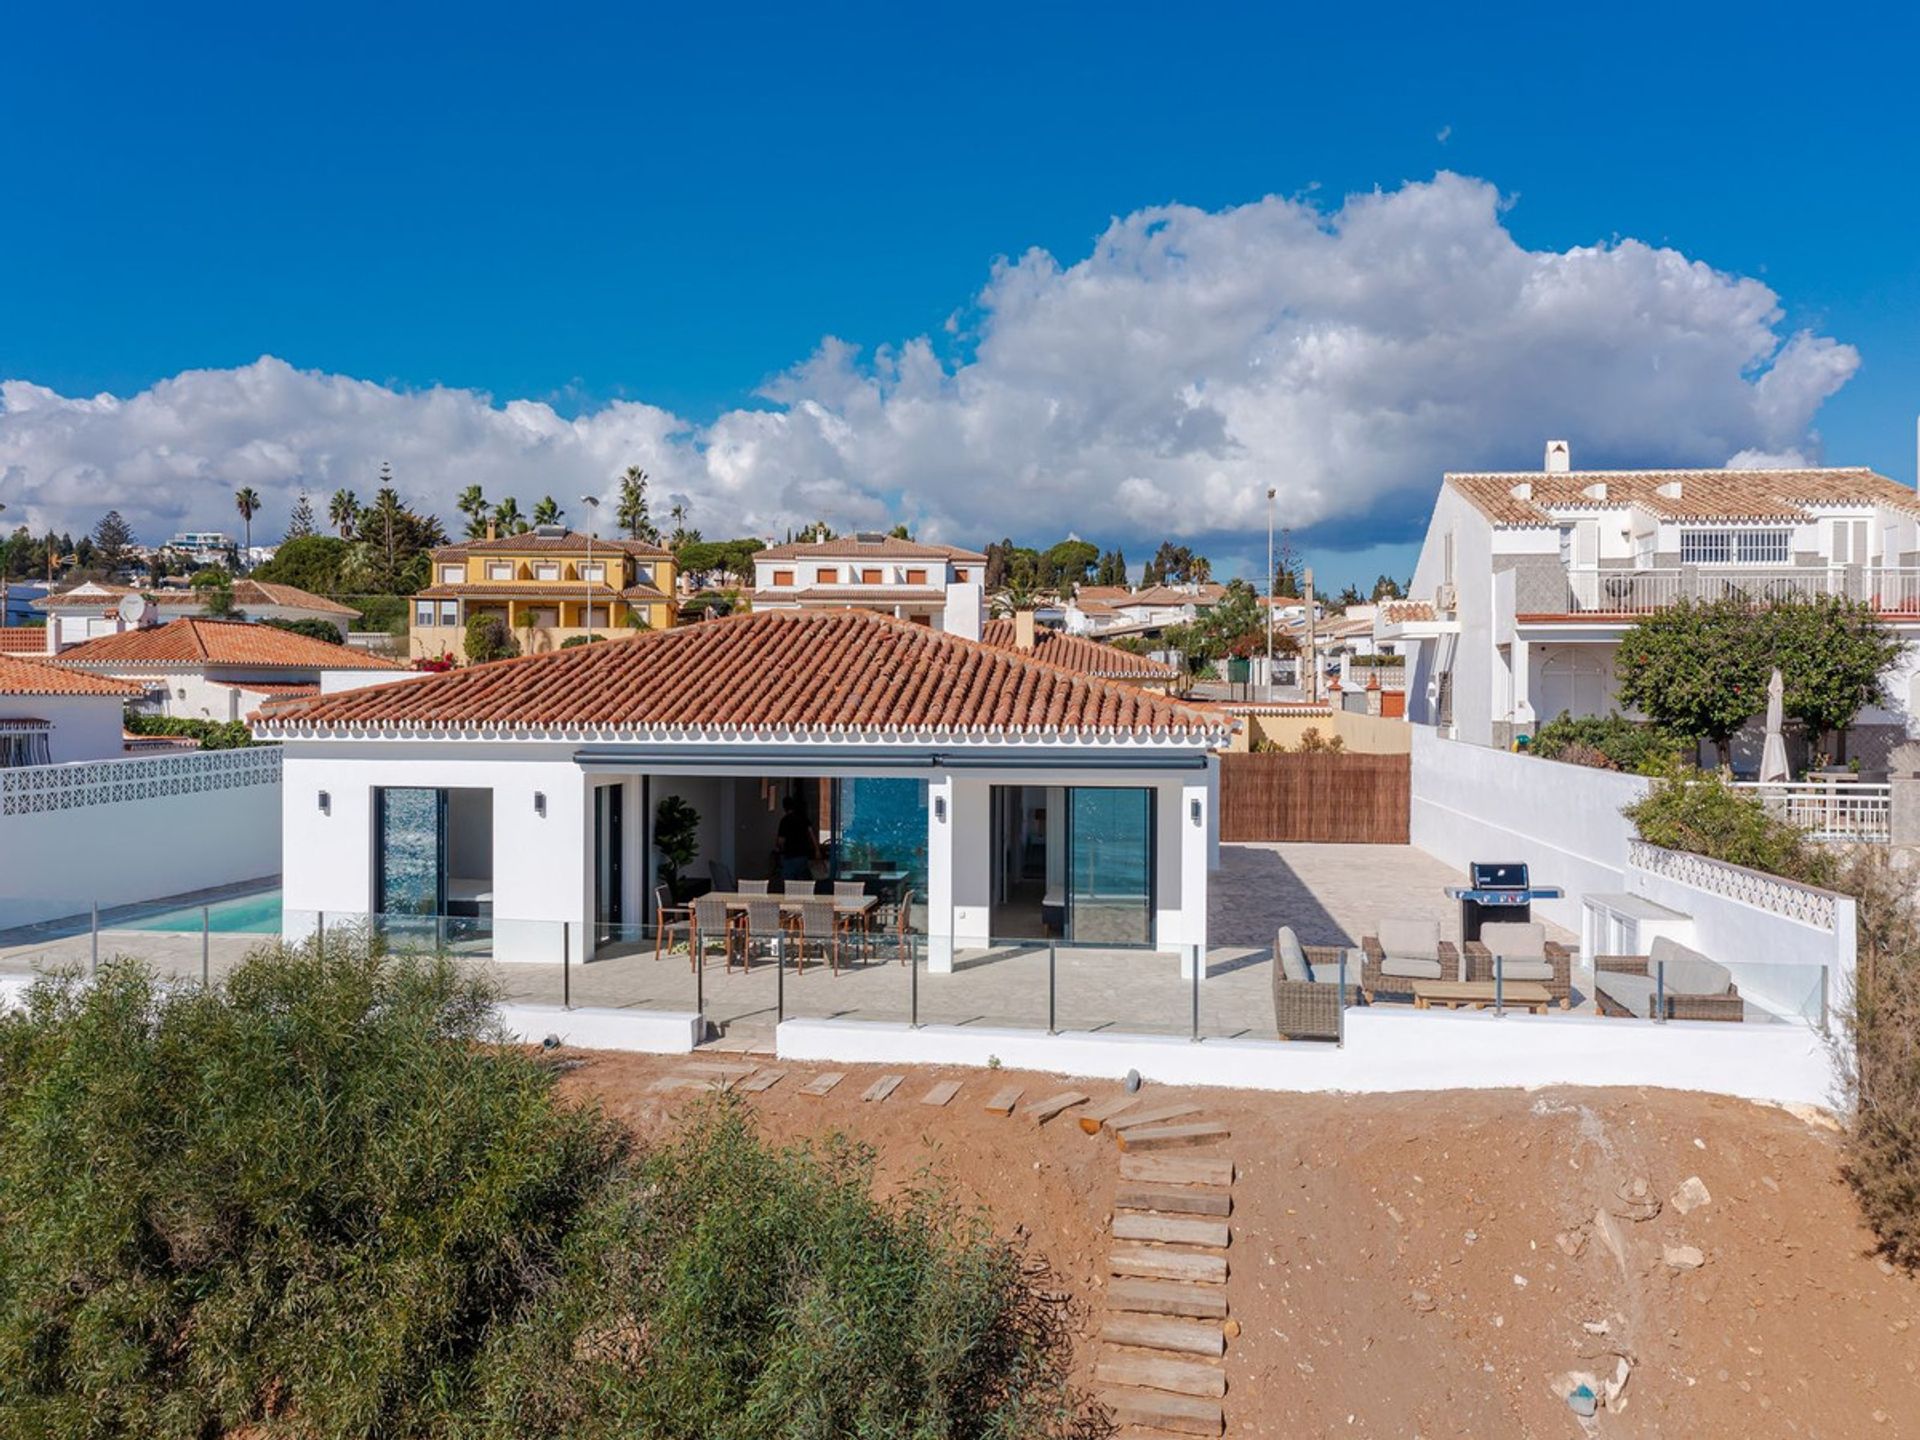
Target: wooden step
x=1004, y=1100
x=1169, y=1230
x=718, y=1070
x=1158, y=1115
x=1168, y=1297
x=883, y=1087
x=821, y=1084
x=1151, y=1372
x=1044, y=1110
x=764, y=1080
x=1171, y=1137
x=1182, y=1414
x=1092, y=1118
x=941, y=1093
x=1172, y=1200
x=1153, y=1263
x=686, y=1082
x=1160, y=1332
x=1177, y=1169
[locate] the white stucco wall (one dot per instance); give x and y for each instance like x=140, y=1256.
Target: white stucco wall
x=85, y=727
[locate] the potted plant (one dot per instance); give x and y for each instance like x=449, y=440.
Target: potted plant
x=676, y=835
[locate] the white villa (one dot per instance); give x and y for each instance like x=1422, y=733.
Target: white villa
x=1527, y=580
x=94, y=608
x=1013, y=797
x=50, y=716
x=903, y=578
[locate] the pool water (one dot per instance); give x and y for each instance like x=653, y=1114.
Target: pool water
x=256, y=914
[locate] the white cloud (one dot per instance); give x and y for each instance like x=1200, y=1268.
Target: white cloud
x=1156, y=387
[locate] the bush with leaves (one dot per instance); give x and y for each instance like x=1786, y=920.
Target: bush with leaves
x=1609, y=742
x=212, y=734
x=489, y=639
x=1702, y=813
x=314, y=629
x=322, y=1199
x=574, y=642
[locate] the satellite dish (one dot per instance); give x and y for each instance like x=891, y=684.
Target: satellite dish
x=134, y=608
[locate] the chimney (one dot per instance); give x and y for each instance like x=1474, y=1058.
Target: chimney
x=1668, y=490
x=1023, y=631
x=1522, y=491
x=493, y=530
x=1595, y=491
x=1559, y=457
x=966, y=610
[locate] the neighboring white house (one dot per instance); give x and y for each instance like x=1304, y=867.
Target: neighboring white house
x=1528, y=580
x=1013, y=796
x=94, y=608
x=50, y=716
x=902, y=578
x=1112, y=610
x=223, y=669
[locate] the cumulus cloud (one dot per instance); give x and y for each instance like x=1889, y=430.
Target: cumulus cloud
x=1155, y=387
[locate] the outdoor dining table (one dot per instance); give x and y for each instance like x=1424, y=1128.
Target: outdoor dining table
x=790, y=904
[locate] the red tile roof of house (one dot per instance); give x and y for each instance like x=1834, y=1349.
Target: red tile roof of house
x=193, y=641
x=534, y=544
x=23, y=640
x=854, y=547
x=247, y=594
x=1079, y=654
x=36, y=677
x=1530, y=497
x=774, y=670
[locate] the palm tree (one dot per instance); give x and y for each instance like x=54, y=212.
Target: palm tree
x=342, y=511
x=473, y=504
x=507, y=517
x=547, y=511
x=247, y=501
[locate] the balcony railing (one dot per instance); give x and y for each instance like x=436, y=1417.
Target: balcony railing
x=1641, y=592
x=1840, y=811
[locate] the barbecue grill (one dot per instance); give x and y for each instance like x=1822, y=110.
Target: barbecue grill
x=1497, y=892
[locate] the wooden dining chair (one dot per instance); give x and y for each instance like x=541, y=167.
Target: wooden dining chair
x=711, y=924
x=751, y=887
x=903, y=927
x=759, y=925
x=820, y=925
x=669, y=919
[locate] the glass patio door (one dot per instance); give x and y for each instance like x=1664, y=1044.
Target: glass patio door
x=1110, y=866
x=410, y=873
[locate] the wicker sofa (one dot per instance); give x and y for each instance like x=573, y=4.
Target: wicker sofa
x=1692, y=987
x=1525, y=953
x=1405, y=951
x=1307, y=994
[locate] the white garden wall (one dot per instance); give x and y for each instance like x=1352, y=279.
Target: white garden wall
x=118, y=832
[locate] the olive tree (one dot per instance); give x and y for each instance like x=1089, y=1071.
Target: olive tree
x=1698, y=668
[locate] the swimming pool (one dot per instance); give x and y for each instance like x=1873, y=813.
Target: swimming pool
x=255, y=914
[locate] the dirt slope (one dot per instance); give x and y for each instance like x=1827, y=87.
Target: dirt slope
x=1438, y=1265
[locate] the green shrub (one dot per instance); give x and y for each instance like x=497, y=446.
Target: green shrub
x=1691, y=810
x=488, y=638
x=212, y=734
x=321, y=1200
x=313, y=629
x=1610, y=742
x=574, y=642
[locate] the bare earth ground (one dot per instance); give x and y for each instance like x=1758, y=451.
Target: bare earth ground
x=1430, y=1265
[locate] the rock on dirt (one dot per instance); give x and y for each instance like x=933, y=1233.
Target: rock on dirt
x=1691, y=1195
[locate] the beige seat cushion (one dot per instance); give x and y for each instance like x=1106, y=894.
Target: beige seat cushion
x=1408, y=968
x=1410, y=939
x=1289, y=956
x=1525, y=969
x=1515, y=939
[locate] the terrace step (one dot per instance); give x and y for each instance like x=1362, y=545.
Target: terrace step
x=821, y=1084
x=765, y=1080
x=1177, y=1169
x=1161, y=1332
x=940, y=1094
x=1004, y=1100
x=1171, y=1137
x=1151, y=1372
x=1171, y=1199
x=1169, y=1230
x=1168, y=1297
x=1158, y=1115
x=1092, y=1119
x=1150, y=1262
x=883, y=1087
x=1182, y=1414
x=1044, y=1110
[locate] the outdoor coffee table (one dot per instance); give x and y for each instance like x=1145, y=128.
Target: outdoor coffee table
x=1478, y=994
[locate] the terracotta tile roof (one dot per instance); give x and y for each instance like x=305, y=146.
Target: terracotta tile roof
x=278, y=692
x=247, y=594
x=23, y=640
x=261, y=592
x=1101, y=592
x=1208, y=594
x=1691, y=494
x=532, y=544
x=191, y=641
x=1079, y=654
x=772, y=670
x=1397, y=612
x=854, y=594
x=853, y=547
x=35, y=677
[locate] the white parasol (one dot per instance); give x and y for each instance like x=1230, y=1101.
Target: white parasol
x=1773, y=759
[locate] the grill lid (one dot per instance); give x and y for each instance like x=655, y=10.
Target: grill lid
x=1493, y=875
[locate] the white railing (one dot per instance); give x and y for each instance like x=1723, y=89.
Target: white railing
x=38, y=789
x=1842, y=811
x=1788, y=898
x=1641, y=592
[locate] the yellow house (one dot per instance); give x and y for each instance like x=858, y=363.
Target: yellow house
x=550, y=585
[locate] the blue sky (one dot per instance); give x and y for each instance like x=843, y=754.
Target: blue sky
x=579, y=206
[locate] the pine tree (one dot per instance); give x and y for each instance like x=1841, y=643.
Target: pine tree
x=112, y=541
x=300, y=523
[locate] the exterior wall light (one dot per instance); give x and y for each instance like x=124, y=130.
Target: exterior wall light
x=940, y=808
x=1193, y=809
x=326, y=803
x=540, y=803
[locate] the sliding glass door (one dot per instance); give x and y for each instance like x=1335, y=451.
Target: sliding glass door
x=410, y=842
x=1110, y=866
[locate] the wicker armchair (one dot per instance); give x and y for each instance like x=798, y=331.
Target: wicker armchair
x=1310, y=1009
x=1641, y=996
x=1398, y=939
x=1529, y=956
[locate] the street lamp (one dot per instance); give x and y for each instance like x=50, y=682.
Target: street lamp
x=592, y=502
x=1271, y=492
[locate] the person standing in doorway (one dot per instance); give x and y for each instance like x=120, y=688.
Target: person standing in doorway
x=799, y=845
